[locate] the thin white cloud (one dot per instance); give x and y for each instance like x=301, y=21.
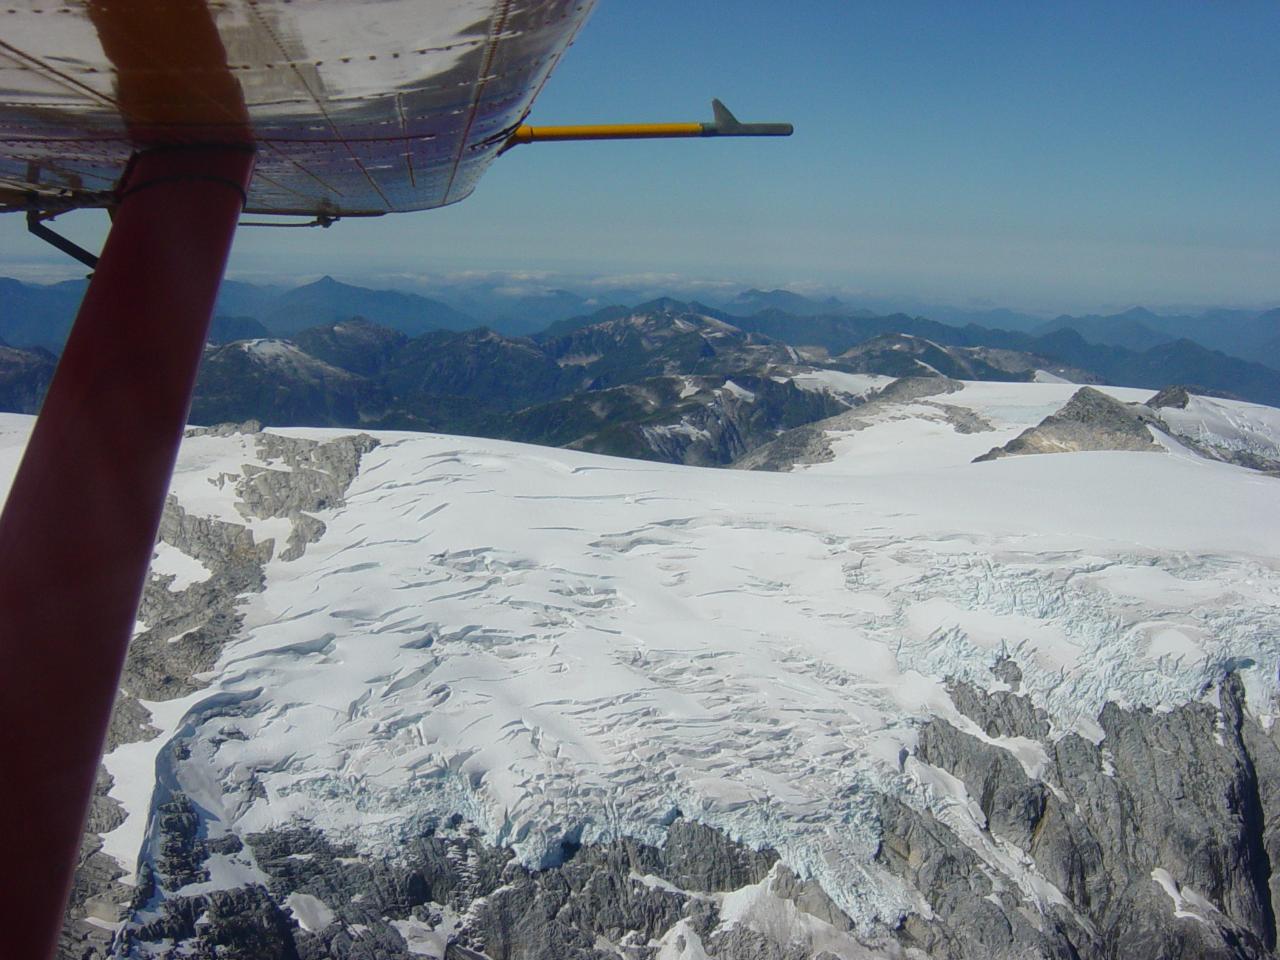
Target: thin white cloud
x=35, y=271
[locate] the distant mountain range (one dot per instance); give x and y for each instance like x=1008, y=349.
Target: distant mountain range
x=666, y=380
x=667, y=383
x=1247, y=334
x=1167, y=361
x=38, y=315
x=751, y=302
x=1239, y=333
x=33, y=315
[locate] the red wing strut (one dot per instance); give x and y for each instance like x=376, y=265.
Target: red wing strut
x=179, y=115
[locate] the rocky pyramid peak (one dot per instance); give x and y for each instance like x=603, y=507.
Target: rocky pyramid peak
x=1090, y=420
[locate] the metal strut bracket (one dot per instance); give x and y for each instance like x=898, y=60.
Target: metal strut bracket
x=35, y=224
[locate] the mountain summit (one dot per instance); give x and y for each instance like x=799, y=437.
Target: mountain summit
x=329, y=301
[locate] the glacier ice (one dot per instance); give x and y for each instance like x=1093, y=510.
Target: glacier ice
x=557, y=645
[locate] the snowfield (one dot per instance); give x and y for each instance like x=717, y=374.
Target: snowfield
x=1228, y=426
x=559, y=645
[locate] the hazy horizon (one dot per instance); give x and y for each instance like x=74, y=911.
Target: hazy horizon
x=1046, y=159
x=516, y=284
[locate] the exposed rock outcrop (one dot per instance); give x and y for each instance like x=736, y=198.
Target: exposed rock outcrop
x=1158, y=842
x=1091, y=420
x=1175, y=396
x=96, y=897
x=1001, y=713
x=184, y=631
x=468, y=898
x=317, y=477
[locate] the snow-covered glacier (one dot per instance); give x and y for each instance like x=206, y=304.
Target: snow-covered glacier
x=562, y=650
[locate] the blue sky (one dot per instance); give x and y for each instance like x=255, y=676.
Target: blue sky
x=1049, y=156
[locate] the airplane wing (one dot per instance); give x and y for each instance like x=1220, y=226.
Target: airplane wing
x=179, y=115
x=359, y=107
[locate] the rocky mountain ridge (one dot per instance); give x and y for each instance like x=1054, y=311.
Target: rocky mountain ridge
x=1117, y=349
x=670, y=381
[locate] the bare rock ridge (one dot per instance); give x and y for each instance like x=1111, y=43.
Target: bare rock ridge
x=1091, y=420
x=181, y=636
x=471, y=898
x=1188, y=794
x=316, y=477
x=1175, y=396
x=182, y=632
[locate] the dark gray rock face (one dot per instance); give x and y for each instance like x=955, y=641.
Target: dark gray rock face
x=1013, y=804
x=182, y=852
x=973, y=913
x=95, y=893
x=1161, y=839
x=1173, y=396
x=187, y=628
x=244, y=924
x=1001, y=713
x=481, y=902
